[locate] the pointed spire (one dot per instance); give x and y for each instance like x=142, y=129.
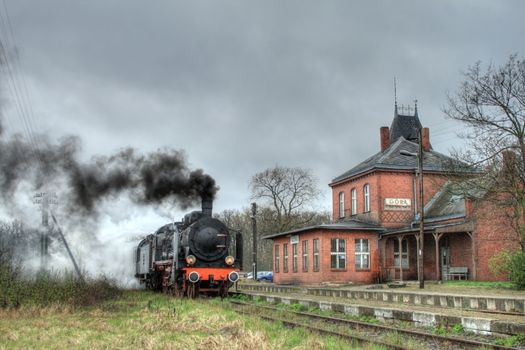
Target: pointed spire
x=415, y=107
x=395, y=96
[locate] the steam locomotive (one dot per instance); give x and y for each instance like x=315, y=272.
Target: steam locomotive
x=190, y=257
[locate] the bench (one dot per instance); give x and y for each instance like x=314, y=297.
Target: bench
x=459, y=272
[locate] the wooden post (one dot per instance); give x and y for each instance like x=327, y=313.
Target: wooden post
x=437, y=237
x=254, y=237
x=399, y=245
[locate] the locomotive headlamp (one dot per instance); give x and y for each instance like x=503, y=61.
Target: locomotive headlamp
x=233, y=276
x=194, y=277
x=229, y=260
x=191, y=259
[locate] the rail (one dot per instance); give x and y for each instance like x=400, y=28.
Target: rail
x=372, y=331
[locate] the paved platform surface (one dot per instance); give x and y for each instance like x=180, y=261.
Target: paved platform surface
x=479, y=314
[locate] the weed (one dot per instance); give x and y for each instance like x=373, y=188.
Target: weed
x=441, y=330
x=513, y=340
x=298, y=307
x=368, y=319
x=458, y=328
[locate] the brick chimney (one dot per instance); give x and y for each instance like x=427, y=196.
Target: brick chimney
x=426, y=139
x=384, y=134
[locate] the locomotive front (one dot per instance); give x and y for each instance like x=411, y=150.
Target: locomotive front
x=191, y=256
x=207, y=265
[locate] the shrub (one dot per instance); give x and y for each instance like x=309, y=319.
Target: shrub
x=516, y=266
x=53, y=288
x=499, y=263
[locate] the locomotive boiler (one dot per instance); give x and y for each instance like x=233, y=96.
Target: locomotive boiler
x=198, y=255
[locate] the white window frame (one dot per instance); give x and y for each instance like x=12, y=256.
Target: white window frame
x=366, y=198
x=316, y=249
x=339, y=254
x=305, y=256
x=341, y=204
x=362, y=257
x=354, y=201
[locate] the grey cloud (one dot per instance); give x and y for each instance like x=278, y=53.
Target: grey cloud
x=245, y=85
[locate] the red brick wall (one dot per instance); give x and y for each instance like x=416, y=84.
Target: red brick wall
x=326, y=273
x=358, y=184
x=494, y=232
x=384, y=185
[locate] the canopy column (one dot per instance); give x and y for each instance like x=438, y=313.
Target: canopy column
x=472, y=236
x=437, y=237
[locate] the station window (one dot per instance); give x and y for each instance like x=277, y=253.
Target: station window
x=366, y=197
x=341, y=204
x=305, y=256
x=316, y=255
x=277, y=259
x=403, y=254
x=338, y=254
x=285, y=257
x=362, y=254
x=354, y=201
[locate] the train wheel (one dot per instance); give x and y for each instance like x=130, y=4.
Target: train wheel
x=189, y=290
x=196, y=291
x=223, y=291
x=178, y=290
x=193, y=290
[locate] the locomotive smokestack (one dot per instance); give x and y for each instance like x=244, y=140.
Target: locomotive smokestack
x=207, y=206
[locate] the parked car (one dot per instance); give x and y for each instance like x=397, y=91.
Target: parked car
x=261, y=276
x=265, y=276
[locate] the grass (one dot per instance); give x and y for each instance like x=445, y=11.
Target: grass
x=484, y=284
x=150, y=321
x=471, y=288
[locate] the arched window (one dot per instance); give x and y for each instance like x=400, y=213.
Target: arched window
x=366, y=197
x=341, y=204
x=354, y=201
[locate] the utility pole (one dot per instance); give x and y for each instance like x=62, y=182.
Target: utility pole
x=44, y=199
x=421, y=236
x=67, y=248
x=421, y=213
x=254, y=238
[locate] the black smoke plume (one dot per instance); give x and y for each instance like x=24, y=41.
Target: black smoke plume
x=151, y=178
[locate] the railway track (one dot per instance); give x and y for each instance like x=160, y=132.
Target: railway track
x=363, y=332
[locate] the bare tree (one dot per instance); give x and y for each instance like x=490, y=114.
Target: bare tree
x=491, y=103
x=288, y=191
x=240, y=221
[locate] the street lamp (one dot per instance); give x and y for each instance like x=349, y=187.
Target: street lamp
x=421, y=237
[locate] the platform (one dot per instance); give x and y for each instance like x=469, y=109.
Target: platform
x=424, y=309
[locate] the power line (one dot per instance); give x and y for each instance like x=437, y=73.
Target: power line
x=24, y=109
x=16, y=80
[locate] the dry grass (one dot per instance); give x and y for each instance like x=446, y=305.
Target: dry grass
x=149, y=321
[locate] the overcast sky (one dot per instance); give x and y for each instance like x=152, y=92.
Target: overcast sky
x=241, y=86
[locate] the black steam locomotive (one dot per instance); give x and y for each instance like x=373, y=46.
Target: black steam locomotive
x=197, y=255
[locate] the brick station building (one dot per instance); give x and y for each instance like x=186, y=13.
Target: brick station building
x=375, y=226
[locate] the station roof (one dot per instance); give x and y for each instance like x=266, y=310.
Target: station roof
x=392, y=159
x=350, y=225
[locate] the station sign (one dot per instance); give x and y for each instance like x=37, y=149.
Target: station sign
x=398, y=204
